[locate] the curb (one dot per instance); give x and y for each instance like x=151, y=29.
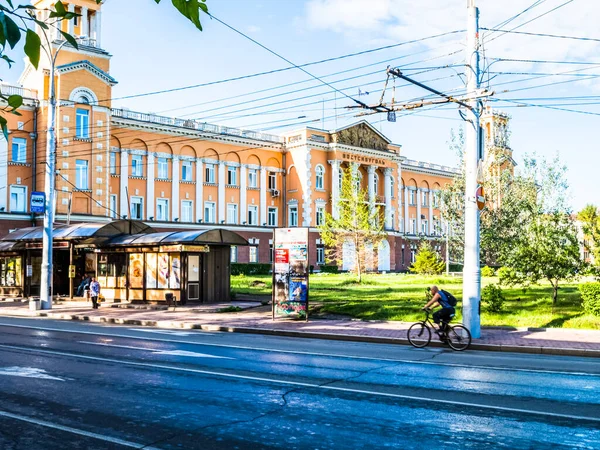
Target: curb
x=591, y=353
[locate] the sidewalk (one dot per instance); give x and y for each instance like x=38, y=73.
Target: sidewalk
x=252, y=317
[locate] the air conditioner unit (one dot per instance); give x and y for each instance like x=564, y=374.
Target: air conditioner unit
x=275, y=192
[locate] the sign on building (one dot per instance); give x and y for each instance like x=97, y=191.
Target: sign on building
x=38, y=202
x=290, y=273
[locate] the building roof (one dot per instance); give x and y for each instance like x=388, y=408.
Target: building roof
x=363, y=122
x=216, y=236
x=86, y=65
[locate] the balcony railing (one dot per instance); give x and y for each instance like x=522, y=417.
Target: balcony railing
x=196, y=125
x=8, y=89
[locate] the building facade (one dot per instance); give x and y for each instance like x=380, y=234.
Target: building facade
x=178, y=174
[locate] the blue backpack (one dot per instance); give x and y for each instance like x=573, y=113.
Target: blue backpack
x=448, y=297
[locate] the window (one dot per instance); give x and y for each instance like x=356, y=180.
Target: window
x=424, y=226
x=82, y=124
x=320, y=215
x=411, y=193
x=233, y=254
x=81, y=174
x=253, y=254
x=232, y=213
x=272, y=217
x=271, y=251
x=375, y=184
x=320, y=171
x=272, y=180
x=391, y=193
x=186, y=171
x=162, y=209
x=253, y=178
x=413, y=226
x=340, y=179
x=19, y=150
x=209, y=173
x=113, y=206
x=209, y=212
x=113, y=163
x=424, y=195
x=163, y=169
x=252, y=215
x=436, y=199
x=17, y=199
x=320, y=253
x=137, y=208
x=413, y=255
x=293, y=216
x=186, y=211
x=136, y=166
x=232, y=176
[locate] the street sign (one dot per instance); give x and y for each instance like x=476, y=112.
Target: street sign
x=391, y=116
x=71, y=271
x=38, y=202
x=480, y=198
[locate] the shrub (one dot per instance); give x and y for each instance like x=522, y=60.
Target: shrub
x=328, y=269
x=505, y=274
x=250, y=269
x=427, y=261
x=456, y=267
x=487, y=271
x=493, y=298
x=590, y=298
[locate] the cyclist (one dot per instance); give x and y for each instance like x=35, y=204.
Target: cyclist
x=443, y=315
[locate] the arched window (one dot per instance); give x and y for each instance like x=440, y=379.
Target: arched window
x=320, y=172
x=83, y=99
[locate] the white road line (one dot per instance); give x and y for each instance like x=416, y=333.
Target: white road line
x=158, y=352
x=171, y=332
x=29, y=372
x=101, y=437
x=327, y=355
x=307, y=385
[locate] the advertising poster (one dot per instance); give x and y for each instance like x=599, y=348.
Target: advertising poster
x=163, y=270
x=175, y=272
x=290, y=273
x=151, y=266
x=136, y=270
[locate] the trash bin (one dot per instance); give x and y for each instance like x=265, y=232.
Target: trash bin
x=35, y=304
x=169, y=298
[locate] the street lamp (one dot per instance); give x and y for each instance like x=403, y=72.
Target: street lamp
x=49, y=183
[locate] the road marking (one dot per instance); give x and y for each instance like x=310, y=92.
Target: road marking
x=170, y=332
x=159, y=352
x=307, y=385
x=29, y=372
x=328, y=355
x=101, y=437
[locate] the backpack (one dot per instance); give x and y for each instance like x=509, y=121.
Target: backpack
x=451, y=298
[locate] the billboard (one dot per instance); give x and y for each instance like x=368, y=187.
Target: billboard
x=290, y=273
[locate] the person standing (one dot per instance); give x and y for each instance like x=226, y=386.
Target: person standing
x=94, y=292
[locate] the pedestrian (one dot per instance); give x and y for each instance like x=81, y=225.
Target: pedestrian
x=94, y=292
x=83, y=285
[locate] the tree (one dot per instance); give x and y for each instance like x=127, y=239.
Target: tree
x=590, y=221
x=357, y=231
x=427, y=260
x=16, y=21
x=547, y=250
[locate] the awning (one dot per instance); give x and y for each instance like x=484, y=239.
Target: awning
x=215, y=236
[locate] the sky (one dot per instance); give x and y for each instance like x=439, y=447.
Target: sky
x=156, y=49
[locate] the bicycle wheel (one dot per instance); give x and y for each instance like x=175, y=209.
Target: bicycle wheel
x=459, y=337
x=419, y=335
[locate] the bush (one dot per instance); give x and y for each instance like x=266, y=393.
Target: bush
x=250, y=269
x=329, y=269
x=487, y=271
x=590, y=298
x=456, y=267
x=493, y=298
x=505, y=274
x=427, y=261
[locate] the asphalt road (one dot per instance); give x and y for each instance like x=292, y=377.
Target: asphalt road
x=69, y=385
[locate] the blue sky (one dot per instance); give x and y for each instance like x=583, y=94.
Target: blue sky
x=156, y=49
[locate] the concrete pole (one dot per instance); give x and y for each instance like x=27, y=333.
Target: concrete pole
x=471, y=272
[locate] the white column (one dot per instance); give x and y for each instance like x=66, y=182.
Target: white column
x=243, y=183
x=124, y=179
x=406, y=218
x=175, y=189
x=150, y=175
x=430, y=193
x=263, y=196
x=371, y=181
x=388, y=197
x=71, y=26
x=4, y=173
x=399, y=187
x=221, y=191
x=85, y=26
x=335, y=188
x=418, y=211
x=199, y=191
x=98, y=28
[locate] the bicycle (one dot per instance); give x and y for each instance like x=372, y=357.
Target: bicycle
x=457, y=337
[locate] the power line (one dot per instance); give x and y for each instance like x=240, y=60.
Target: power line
x=545, y=61
x=557, y=36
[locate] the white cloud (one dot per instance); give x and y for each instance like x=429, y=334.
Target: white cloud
x=253, y=29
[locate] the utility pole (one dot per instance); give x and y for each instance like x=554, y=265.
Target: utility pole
x=471, y=269
x=49, y=186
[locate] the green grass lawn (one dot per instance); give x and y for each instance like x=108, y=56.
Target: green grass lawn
x=401, y=296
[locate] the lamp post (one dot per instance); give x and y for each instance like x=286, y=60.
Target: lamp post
x=49, y=184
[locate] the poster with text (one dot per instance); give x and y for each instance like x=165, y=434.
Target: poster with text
x=290, y=273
